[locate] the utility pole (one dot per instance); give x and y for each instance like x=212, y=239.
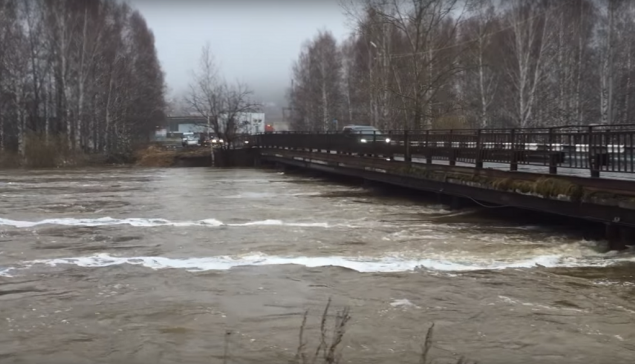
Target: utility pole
x=209, y=140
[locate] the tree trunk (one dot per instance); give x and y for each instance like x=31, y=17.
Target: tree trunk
x=81, y=85
x=627, y=87
x=606, y=93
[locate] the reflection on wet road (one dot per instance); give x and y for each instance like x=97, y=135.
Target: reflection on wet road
x=124, y=265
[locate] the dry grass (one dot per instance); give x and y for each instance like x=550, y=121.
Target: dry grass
x=10, y=160
x=54, y=152
x=45, y=152
x=154, y=156
x=159, y=156
x=331, y=337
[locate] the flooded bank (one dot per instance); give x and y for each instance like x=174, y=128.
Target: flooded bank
x=138, y=265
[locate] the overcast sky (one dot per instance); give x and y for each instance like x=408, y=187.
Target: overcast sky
x=255, y=41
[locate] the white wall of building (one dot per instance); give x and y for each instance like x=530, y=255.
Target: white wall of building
x=191, y=128
x=254, y=122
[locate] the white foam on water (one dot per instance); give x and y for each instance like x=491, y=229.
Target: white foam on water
x=143, y=222
x=404, y=303
x=252, y=195
x=359, y=264
x=4, y=272
x=282, y=223
x=105, y=221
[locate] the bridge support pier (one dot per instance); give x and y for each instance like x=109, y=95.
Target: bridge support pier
x=627, y=236
x=281, y=167
x=456, y=203
x=619, y=236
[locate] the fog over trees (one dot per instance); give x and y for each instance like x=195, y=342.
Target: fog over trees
x=77, y=75
x=418, y=64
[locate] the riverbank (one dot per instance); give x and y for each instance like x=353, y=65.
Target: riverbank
x=53, y=156
x=162, y=157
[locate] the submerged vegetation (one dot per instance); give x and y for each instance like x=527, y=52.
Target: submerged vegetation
x=331, y=336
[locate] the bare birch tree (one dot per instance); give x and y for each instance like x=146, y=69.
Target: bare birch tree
x=82, y=72
x=221, y=104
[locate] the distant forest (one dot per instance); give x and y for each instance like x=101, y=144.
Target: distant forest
x=420, y=64
x=76, y=75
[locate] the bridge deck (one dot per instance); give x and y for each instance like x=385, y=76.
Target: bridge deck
x=606, y=151
x=527, y=168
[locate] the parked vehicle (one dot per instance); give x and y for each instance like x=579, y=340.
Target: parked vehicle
x=365, y=134
x=189, y=139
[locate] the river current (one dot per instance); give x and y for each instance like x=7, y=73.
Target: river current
x=219, y=266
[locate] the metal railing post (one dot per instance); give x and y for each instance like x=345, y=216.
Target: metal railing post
x=553, y=156
x=374, y=153
x=513, y=164
x=452, y=156
x=406, y=140
x=478, y=162
x=389, y=146
x=594, y=159
x=428, y=149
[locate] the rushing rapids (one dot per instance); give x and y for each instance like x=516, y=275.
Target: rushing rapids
x=156, y=265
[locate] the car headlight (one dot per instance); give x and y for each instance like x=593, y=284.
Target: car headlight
x=363, y=140
x=387, y=140
x=220, y=140
x=246, y=141
x=214, y=140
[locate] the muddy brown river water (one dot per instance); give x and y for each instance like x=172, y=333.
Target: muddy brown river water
x=218, y=266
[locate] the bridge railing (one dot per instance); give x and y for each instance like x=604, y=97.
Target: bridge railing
x=606, y=148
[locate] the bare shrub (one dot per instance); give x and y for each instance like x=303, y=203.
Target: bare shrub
x=47, y=152
x=10, y=160
x=327, y=350
x=43, y=151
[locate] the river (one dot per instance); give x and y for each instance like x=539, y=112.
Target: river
x=219, y=266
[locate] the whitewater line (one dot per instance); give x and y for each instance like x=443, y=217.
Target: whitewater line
x=143, y=222
x=359, y=264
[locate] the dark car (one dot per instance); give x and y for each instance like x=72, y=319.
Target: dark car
x=365, y=134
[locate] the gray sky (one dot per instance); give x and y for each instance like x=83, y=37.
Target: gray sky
x=254, y=41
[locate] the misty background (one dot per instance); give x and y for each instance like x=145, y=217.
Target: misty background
x=255, y=42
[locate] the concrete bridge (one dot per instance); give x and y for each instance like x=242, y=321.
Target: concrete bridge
x=581, y=172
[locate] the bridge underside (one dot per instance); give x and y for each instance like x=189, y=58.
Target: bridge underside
x=604, y=201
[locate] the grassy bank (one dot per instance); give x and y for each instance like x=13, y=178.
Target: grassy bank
x=159, y=156
x=54, y=152
x=48, y=152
